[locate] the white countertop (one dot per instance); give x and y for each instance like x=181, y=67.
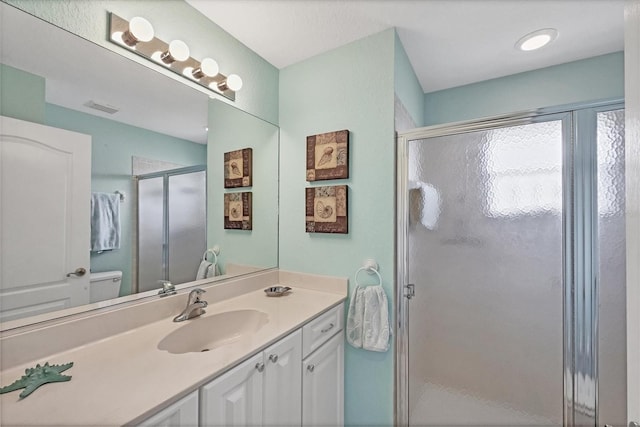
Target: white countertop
x=125, y=378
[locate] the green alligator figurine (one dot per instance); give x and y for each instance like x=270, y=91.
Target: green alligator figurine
x=35, y=377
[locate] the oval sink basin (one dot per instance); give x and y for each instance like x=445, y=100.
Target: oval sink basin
x=209, y=332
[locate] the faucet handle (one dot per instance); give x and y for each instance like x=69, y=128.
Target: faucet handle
x=168, y=288
x=195, y=294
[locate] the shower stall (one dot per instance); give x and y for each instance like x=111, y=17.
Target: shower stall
x=511, y=271
x=171, y=226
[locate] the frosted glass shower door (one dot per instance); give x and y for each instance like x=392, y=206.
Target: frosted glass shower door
x=485, y=253
x=187, y=224
x=172, y=226
x=151, y=245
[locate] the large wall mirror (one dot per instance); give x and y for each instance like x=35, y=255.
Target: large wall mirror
x=143, y=204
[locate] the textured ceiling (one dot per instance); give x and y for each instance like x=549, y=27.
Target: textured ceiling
x=449, y=42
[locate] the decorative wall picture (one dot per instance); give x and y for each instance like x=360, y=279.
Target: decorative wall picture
x=328, y=156
x=237, y=211
x=326, y=209
x=238, y=168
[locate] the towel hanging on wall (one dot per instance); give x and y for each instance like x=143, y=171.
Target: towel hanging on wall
x=105, y=222
x=208, y=269
x=368, y=317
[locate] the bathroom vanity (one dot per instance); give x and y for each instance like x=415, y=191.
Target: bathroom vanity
x=249, y=359
x=266, y=388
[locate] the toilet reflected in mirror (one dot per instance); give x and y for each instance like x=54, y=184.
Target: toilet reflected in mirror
x=104, y=285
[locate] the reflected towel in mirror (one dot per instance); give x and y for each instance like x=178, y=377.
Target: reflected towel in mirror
x=207, y=269
x=105, y=221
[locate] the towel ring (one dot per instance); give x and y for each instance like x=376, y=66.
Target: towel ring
x=368, y=270
x=209, y=251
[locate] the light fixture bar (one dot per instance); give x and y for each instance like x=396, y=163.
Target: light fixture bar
x=154, y=49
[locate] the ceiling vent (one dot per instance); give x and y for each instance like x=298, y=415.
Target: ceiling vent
x=109, y=109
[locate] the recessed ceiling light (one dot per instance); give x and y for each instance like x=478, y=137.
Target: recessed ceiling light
x=537, y=39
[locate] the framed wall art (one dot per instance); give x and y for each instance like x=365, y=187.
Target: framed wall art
x=237, y=211
x=328, y=156
x=326, y=209
x=238, y=167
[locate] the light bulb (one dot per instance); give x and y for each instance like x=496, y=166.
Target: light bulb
x=140, y=30
x=178, y=51
x=208, y=67
x=232, y=82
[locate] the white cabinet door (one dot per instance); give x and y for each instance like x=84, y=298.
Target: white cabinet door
x=323, y=385
x=45, y=188
x=235, y=398
x=283, y=382
x=183, y=413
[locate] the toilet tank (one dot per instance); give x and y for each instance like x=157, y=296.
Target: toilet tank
x=104, y=285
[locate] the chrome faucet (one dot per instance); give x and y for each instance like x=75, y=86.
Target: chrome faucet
x=195, y=306
x=168, y=288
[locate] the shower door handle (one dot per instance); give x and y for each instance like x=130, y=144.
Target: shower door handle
x=410, y=291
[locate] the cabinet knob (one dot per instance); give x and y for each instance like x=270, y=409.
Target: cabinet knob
x=273, y=358
x=310, y=368
x=260, y=366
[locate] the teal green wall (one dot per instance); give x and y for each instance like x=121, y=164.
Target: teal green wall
x=21, y=94
x=171, y=19
x=406, y=84
x=231, y=129
x=112, y=145
x=597, y=78
x=351, y=87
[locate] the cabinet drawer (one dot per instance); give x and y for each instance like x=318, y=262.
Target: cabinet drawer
x=319, y=330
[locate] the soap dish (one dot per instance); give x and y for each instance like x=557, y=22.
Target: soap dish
x=277, y=291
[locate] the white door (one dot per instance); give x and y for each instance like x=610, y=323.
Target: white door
x=183, y=413
x=283, y=382
x=323, y=385
x=235, y=398
x=45, y=184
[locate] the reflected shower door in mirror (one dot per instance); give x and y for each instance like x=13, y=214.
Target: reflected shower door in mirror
x=171, y=226
x=135, y=121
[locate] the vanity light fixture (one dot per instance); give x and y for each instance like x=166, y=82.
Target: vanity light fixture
x=138, y=37
x=537, y=39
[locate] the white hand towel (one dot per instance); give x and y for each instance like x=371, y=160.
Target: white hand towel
x=105, y=222
x=375, y=320
x=355, y=317
x=207, y=269
x=204, y=270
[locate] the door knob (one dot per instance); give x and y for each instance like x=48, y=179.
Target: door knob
x=311, y=368
x=260, y=366
x=273, y=358
x=634, y=424
x=78, y=273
